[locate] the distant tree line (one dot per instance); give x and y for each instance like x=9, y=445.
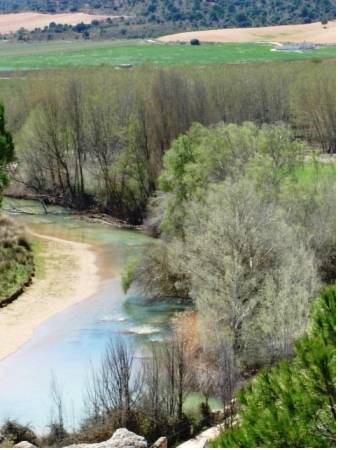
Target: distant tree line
x=96, y=30
x=174, y=15
x=97, y=139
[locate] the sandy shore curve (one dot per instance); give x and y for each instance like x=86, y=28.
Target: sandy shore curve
x=70, y=276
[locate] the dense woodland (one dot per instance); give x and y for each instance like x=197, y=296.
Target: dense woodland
x=159, y=16
x=221, y=165
x=96, y=138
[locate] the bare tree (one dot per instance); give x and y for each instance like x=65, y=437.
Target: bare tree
x=227, y=378
x=116, y=387
x=234, y=245
x=57, y=426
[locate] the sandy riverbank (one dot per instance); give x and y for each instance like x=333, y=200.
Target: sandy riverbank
x=70, y=276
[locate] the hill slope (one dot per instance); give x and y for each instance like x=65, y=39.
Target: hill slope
x=310, y=32
x=195, y=13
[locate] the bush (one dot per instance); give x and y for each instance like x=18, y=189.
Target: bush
x=57, y=435
x=206, y=416
x=16, y=259
x=128, y=273
x=14, y=432
x=195, y=42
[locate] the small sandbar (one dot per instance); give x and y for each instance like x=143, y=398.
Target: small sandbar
x=144, y=330
x=70, y=276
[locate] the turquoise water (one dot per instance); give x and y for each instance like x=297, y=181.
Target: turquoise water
x=67, y=345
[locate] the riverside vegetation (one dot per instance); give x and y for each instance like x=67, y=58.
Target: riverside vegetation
x=97, y=137
x=16, y=260
x=221, y=166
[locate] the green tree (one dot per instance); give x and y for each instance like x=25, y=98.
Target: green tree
x=6, y=152
x=293, y=404
x=250, y=276
x=226, y=151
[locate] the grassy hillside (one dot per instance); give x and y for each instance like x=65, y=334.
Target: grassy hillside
x=316, y=32
x=196, y=14
x=63, y=54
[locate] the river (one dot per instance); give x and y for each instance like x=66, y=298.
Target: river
x=68, y=344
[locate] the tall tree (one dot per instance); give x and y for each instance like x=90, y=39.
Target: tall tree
x=251, y=277
x=6, y=152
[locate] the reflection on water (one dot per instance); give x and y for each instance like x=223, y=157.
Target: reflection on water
x=68, y=343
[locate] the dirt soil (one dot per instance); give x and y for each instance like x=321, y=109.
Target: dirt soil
x=312, y=32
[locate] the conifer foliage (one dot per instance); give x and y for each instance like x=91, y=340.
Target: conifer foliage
x=293, y=404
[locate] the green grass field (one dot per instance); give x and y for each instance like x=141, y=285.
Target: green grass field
x=20, y=56
x=311, y=172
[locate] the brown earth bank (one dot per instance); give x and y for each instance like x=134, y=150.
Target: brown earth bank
x=312, y=32
x=10, y=23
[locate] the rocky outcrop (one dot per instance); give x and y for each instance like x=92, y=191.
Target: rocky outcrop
x=161, y=442
x=24, y=444
x=202, y=440
x=122, y=438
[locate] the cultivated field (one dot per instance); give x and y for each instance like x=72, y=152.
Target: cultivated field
x=21, y=56
x=9, y=23
x=312, y=32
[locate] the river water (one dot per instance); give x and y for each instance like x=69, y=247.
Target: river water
x=67, y=345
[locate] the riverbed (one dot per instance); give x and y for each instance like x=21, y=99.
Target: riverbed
x=69, y=344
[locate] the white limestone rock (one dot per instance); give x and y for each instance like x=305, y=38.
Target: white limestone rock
x=122, y=438
x=24, y=444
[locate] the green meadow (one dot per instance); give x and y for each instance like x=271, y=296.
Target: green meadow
x=21, y=56
x=313, y=171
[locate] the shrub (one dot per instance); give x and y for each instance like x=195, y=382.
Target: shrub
x=16, y=259
x=14, y=432
x=206, y=415
x=128, y=273
x=195, y=42
x=293, y=404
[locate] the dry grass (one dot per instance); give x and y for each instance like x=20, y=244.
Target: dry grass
x=312, y=32
x=9, y=23
x=10, y=232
